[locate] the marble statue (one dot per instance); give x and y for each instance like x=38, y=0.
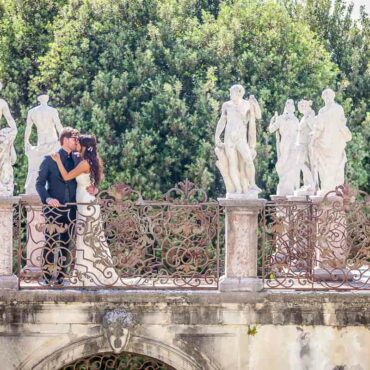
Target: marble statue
x=286, y=128
x=7, y=151
x=48, y=125
x=237, y=152
x=330, y=137
x=305, y=149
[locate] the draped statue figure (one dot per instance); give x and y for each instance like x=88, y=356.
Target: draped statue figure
x=286, y=128
x=330, y=137
x=7, y=151
x=305, y=150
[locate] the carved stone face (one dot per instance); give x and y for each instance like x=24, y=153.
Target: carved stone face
x=116, y=326
x=289, y=107
x=328, y=96
x=43, y=99
x=117, y=337
x=236, y=92
x=304, y=106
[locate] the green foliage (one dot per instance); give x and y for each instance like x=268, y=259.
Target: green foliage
x=147, y=77
x=252, y=330
x=25, y=33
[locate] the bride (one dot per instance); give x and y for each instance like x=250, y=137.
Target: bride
x=93, y=261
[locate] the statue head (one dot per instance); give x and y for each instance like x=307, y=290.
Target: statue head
x=43, y=99
x=289, y=107
x=304, y=106
x=328, y=96
x=237, y=92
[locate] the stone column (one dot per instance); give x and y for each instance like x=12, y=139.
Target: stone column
x=241, y=240
x=7, y=279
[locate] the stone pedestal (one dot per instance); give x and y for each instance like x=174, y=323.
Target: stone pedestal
x=241, y=239
x=7, y=279
x=278, y=198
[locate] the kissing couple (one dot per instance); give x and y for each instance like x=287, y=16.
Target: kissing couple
x=75, y=244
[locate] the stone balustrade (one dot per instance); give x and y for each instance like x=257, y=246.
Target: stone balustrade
x=7, y=279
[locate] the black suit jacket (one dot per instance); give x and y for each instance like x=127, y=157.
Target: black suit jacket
x=50, y=183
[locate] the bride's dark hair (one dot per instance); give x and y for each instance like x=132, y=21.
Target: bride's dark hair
x=92, y=157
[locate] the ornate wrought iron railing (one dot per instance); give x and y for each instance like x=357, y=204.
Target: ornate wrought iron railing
x=122, y=241
x=320, y=243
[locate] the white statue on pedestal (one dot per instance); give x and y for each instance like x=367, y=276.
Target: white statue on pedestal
x=286, y=128
x=7, y=151
x=330, y=138
x=305, y=150
x=236, y=154
x=47, y=122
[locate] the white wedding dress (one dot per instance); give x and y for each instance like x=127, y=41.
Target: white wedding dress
x=93, y=261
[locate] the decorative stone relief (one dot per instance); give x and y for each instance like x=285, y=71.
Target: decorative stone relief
x=117, y=325
x=237, y=152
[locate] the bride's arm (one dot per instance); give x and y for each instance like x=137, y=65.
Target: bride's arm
x=82, y=167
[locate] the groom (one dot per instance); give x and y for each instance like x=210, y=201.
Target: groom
x=60, y=215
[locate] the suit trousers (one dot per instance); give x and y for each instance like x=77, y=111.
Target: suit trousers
x=59, y=235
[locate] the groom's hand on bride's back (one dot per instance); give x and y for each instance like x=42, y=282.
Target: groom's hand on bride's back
x=53, y=202
x=91, y=189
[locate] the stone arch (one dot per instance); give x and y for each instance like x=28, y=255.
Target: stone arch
x=113, y=360
x=57, y=358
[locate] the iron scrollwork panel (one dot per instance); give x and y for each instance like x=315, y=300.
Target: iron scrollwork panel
x=121, y=240
x=111, y=361
x=318, y=245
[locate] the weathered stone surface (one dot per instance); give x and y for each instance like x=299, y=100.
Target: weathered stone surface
x=241, y=245
x=6, y=237
x=189, y=330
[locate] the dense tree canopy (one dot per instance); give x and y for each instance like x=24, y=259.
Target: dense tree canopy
x=148, y=77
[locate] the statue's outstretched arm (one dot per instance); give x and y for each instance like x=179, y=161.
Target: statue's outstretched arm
x=57, y=122
x=274, y=124
x=13, y=155
x=255, y=107
x=8, y=116
x=252, y=134
x=346, y=133
x=221, y=126
x=27, y=132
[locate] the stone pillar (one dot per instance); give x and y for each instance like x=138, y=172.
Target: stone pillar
x=7, y=279
x=241, y=240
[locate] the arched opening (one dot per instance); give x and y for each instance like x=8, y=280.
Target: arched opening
x=113, y=361
x=71, y=355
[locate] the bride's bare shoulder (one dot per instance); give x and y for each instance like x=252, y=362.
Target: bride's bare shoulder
x=84, y=166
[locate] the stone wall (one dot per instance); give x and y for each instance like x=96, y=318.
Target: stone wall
x=195, y=330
